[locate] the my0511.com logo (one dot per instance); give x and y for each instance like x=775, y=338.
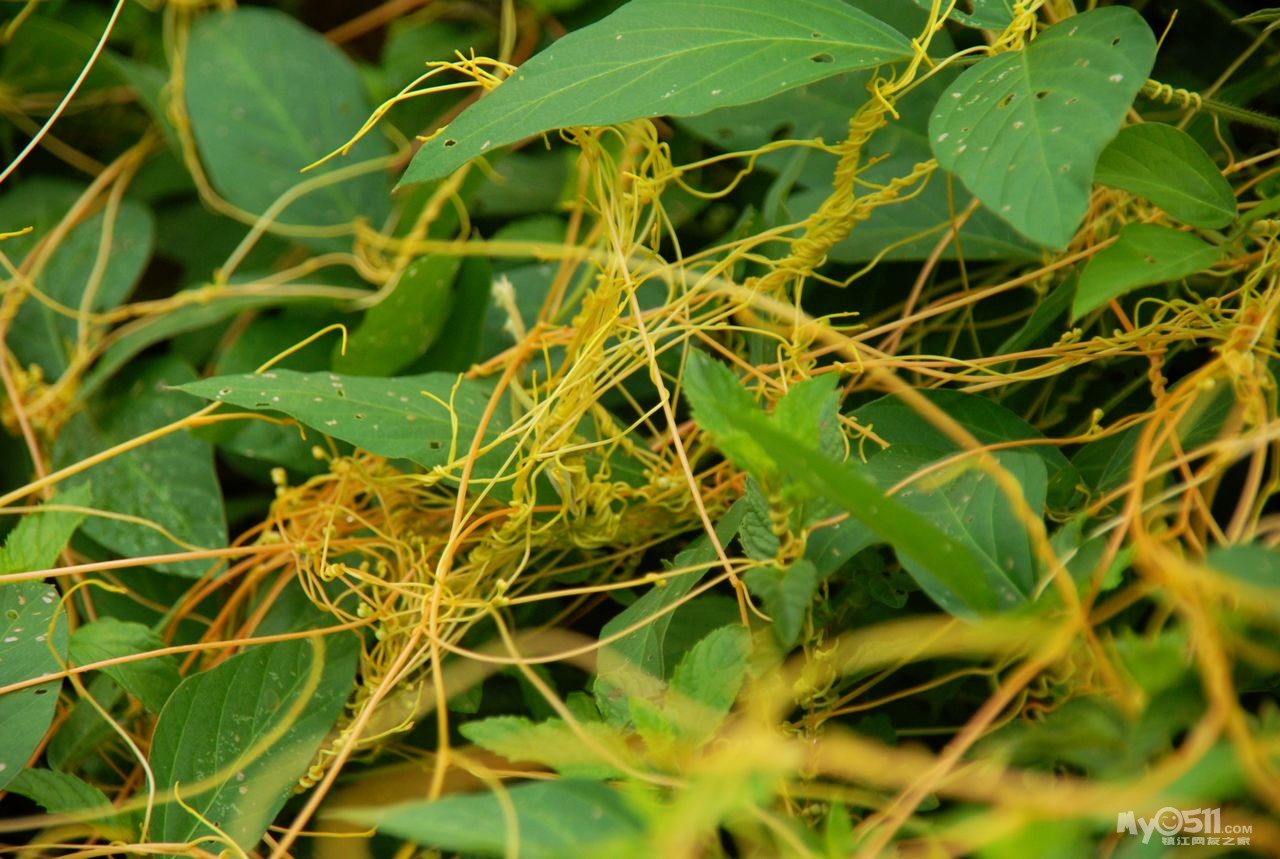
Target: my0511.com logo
x=1196, y=826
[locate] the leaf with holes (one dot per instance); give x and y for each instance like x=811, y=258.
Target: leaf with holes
x=28, y=614
x=430, y=419
x=1023, y=130
x=274, y=705
x=982, y=14
x=1143, y=255
x=1165, y=165
x=665, y=57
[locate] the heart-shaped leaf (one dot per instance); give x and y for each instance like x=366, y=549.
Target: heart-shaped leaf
x=1023, y=130
x=1165, y=165
x=1142, y=255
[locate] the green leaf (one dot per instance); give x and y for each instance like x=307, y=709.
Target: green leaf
x=664, y=57
x=41, y=335
x=715, y=394
x=948, y=568
x=26, y=651
x=551, y=743
x=39, y=537
x=553, y=819
x=1165, y=165
x=60, y=793
x=965, y=504
x=787, y=595
x=470, y=304
x=756, y=531
x=1251, y=563
x=810, y=411
x=151, y=681
x=635, y=664
x=401, y=327
x=984, y=14
x=1023, y=130
x=267, y=97
x=706, y=682
x=169, y=481
x=274, y=705
x=1142, y=255
x=406, y=417
x=895, y=421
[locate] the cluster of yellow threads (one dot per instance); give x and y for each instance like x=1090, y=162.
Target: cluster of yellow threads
x=1021, y=29
x=836, y=217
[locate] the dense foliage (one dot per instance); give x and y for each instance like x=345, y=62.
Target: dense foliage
x=674, y=428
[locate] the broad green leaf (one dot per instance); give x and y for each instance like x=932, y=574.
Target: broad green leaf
x=1142, y=255
x=151, y=681
x=635, y=664
x=401, y=327
x=95, y=266
x=39, y=537
x=45, y=56
x=169, y=481
x=949, y=568
x=1023, y=130
x=408, y=417
x=551, y=743
x=787, y=595
x=1165, y=165
x=983, y=14
x=1250, y=563
x=895, y=421
x=60, y=793
x=149, y=83
x=706, y=682
x=274, y=706
x=664, y=57
x=553, y=820
x=718, y=400
x=810, y=410
x=26, y=651
x=966, y=504
x=267, y=97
